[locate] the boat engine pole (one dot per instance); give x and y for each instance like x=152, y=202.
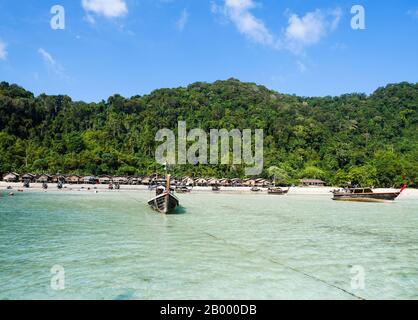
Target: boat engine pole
x=167, y=195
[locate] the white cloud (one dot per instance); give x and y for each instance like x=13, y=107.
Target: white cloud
x=46, y=56
x=51, y=63
x=310, y=29
x=239, y=13
x=184, y=18
x=106, y=8
x=3, y=51
x=298, y=34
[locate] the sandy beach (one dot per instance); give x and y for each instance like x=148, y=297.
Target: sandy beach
x=312, y=191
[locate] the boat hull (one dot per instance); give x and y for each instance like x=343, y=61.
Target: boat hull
x=278, y=192
x=164, y=203
x=366, y=197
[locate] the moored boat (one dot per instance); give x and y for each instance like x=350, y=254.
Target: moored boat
x=183, y=189
x=165, y=201
x=255, y=189
x=277, y=191
x=365, y=195
x=216, y=188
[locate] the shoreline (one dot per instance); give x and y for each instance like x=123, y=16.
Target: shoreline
x=312, y=191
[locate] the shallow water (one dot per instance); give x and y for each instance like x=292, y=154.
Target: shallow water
x=221, y=246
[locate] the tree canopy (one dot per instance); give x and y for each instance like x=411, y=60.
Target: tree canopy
x=369, y=140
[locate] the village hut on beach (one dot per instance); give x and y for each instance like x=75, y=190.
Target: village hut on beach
x=262, y=183
x=187, y=181
x=312, y=183
x=44, y=178
x=225, y=183
x=201, y=182
x=11, y=177
x=73, y=179
x=120, y=180
x=89, y=180
x=29, y=177
x=236, y=182
x=134, y=180
x=248, y=183
x=58, y=178
x=213, y=182
x=105, y=179
x=146, y=181
x=175, y=181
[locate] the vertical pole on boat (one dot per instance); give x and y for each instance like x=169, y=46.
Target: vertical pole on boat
x=167, y=195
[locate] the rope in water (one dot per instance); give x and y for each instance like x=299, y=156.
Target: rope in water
x=286, y=266
x=294, y=269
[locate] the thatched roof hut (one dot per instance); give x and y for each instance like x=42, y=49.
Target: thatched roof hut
x=89, y=180
x=135, y=180
x=44, y=178
x=120, y=180
x=249, y=183
x=28, y=177
x=58, y=178
x=225, y=182
x=213, y=182
x=11, y=177
x=201, y=182
x=262, y=183
x=312, y=183
x=146, y=181
x=188, y=182
x=73, y=179
x=105, y=179
x=236, y=182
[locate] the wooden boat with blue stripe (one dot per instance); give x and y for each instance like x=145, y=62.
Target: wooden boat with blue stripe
x=365, y=195
x=165, y=201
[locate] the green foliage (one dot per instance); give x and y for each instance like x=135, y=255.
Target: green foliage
x=371, y=140
x=126, y=170
x=312, y=172
x=280, y=175
x=364, y=176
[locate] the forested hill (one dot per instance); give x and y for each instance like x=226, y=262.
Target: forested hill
x=371, y=140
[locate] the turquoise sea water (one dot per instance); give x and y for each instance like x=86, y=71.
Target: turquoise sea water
x=221, y=246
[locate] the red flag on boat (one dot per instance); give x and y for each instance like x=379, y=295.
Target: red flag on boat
x=403, y=188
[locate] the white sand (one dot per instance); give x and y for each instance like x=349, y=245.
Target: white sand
x=320, y=191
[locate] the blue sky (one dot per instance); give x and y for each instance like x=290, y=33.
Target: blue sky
x=135, y=46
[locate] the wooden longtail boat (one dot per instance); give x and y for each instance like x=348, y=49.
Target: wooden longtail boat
x=183, y=189
x=165, y=201
x=278, y=191
x=365, y=195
